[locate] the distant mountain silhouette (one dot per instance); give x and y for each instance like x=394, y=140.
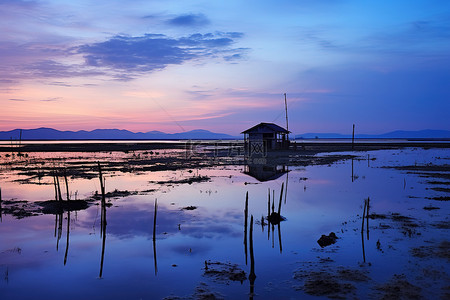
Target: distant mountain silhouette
x=398, y=134
x=107, y=134
x=118, y=134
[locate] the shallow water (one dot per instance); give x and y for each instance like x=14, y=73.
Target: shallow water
x=48, y=257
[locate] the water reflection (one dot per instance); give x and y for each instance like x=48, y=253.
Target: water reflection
x=67, y=237
x=252, y=275
x=211, y=230
x=245, y=226
x=103, y=219
x=263, y=171
x=365, y=218
x=154, y=237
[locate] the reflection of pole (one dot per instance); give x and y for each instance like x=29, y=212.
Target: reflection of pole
x=60, y=221
x=67, y=238
x=279, y=237
x=154, y=219
x=103, y=248
x=268, y=215
x=245, y=226
x=154, y=236
x=362, y=243
x=273, y=235
x=103, y=218
x=252, y=275
x=154, y=257
x=103, y=233
x=352, y=171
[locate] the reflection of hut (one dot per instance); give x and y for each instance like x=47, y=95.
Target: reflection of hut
x=266, y=136
x=265, y=172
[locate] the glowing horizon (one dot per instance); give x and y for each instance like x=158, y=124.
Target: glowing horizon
x=173, y=67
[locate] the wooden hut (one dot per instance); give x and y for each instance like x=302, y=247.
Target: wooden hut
x=266, y=137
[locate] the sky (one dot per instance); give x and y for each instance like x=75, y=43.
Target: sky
x=224, y=66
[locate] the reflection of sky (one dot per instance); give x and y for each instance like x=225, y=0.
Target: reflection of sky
x=214, y=231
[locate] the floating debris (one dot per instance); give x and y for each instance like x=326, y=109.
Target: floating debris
x=191, y=207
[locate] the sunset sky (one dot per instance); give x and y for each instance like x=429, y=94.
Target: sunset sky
x=223, y=66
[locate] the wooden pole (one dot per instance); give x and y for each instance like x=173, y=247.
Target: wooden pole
x=367, y=216
x=285, y=107
x=353, y=136
x=364, y=215
x=59, y=188
x=281, y=198
x=67, y=184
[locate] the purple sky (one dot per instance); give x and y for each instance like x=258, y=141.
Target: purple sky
x=175, y=66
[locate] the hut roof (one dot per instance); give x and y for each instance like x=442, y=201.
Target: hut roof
x=266, y=128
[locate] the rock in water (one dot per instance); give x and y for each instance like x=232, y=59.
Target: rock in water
x=327, y=240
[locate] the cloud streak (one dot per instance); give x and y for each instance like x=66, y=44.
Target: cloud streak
x=189, y=20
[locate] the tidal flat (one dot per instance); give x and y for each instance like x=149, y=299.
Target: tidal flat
x=207, y=222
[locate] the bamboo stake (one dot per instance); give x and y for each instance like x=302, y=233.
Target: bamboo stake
x=363, y=216
x=367, y=216
x=353, y=136
x=281, y=198
x=67, y=185
x=287, y=180
x=59, y=189
x=56, y=188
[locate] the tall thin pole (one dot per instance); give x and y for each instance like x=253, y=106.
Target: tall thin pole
x=353, y=136
x=287, y=123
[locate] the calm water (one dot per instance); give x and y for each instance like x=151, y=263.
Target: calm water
x=43, y=257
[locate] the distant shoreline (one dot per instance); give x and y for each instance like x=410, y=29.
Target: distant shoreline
x=303, y=146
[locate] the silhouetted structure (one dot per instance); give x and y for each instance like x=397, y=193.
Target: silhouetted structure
x=265, y=137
